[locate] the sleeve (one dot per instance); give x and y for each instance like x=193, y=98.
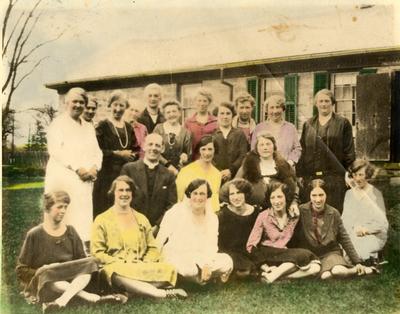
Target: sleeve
x=254, y=136
x=345, y=241
x=214, y=235
x=166, y=227
x=24, y=270
x=256, y=233
x=348, y=145
x=187, y=145
x=153, y=250
x=158, y=130
x=299, y=165
x=124, y=170
x=102, y=139
x=135, y=143
x=172, y=191
x=239, y=174
x=55, y=143
x=97, y=154
x=242, y=148
x=347, y=217
x=98, y=243
x=380, y=223
x=180, y=184
x=295, y=152
x=79, y=252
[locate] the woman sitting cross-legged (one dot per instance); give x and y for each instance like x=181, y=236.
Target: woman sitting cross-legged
x=123, y=241
x=271, y=233
x=52, y=265
x=236, y=220
x=321, y=230
x=189, y=235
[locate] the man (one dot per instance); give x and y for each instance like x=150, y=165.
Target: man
x=74, y=160
x=152, y=115
x=327, y=150
x=244, y=107
x=154, y=183
x=90, y=110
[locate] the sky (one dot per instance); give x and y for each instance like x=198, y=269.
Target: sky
x=92, y=27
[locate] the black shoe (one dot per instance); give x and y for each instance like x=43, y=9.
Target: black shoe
x=50, y=307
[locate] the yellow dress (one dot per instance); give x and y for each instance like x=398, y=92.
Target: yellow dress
x=132, y=253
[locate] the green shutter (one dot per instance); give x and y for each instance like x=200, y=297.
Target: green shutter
x=367, y=71
x=291, y=85
x=252, y=89
x=321, y=81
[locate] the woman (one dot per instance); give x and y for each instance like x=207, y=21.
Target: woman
x=131, y=116
x=284, y=132
x=74, y=161
x=123, y=241
x=236, y=220
x=201, y=169
x=52, y=265
x=178, y=141
x=327, y=150
x=364, y=213
x=232, y=143
x=264, y=165
x=118, y=143
x=271, y=233
x=202, y=122
x=189, y=236
x=321, y=231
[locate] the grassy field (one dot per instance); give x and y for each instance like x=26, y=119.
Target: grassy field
x=376, y=294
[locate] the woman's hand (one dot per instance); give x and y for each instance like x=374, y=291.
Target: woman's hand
x=124, y=154
x=45, y=267
x=173, y=170
x=226, y=174
x=361, y=231
x=294, y=210
x=83, y=174
x=183, y=159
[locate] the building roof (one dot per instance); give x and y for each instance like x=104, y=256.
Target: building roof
x=355, y=29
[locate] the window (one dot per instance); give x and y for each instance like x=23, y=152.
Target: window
x=344, y=89
x=187, y=94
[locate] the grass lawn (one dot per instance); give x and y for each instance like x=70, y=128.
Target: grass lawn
x=376, y=294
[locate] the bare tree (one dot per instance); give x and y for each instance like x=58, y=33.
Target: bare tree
x=44, y=114
x=19, y=52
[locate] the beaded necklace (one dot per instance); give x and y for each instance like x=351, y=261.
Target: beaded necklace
x=119, y=138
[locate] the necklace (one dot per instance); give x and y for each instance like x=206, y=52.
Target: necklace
x=119, y=138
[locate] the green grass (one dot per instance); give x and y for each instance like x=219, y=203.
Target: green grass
x=377, y=294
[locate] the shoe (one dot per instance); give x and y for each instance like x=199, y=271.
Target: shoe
x=371, y=270
x=205, y=274
x=225, y=276
x=264, y=278
x=112, y=298
x=49, y=307
x=265, y=268
x=176, y=293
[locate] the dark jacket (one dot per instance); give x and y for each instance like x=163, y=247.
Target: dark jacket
x=333, y=234
x=164, y=190
x=339, y=141
x=146, y=119
x=231, y=151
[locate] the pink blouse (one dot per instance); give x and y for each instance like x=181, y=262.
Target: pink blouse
x=140, y=134
x=266, y=231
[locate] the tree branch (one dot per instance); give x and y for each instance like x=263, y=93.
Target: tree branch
x=11, y=34
x=30, y=72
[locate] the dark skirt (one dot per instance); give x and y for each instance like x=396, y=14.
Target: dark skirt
x=276, y=256
x=67, y=271
x=241, y=261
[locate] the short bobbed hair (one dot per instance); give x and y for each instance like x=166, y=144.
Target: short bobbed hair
x=228, y=105
x=205, y=140
x=325, y=92
x=280, y=100
x=359, y=164
x=171, y=103
x=205, y=93
x=317, y=183
x=243, y=97
x=50, y=198
x=267, y=136
x=125, y=179
x=195, y=184
x=76, y=91
x=118, y=96
x=242, y=185
x=277, y=185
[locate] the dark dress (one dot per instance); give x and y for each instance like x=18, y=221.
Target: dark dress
x=234, y=231
x=40, y=249
x=111, y=167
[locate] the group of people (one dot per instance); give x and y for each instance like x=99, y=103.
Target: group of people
x=145, y=198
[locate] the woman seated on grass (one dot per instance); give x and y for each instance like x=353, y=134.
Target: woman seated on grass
x=364, y=213
x=123, y=241
x=236, y=220
x=321, y=230
x=189, y=235
x=52, y=265
x=272, y=231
